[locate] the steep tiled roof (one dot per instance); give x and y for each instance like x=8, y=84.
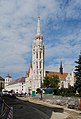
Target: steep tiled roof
x=61, y=76
x=1, y=79
x=19, y=80
x=28, y=72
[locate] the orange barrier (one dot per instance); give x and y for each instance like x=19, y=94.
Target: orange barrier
x=80, y=102
x=10, y=114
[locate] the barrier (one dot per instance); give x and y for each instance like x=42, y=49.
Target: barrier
x=10, y=114
x=80, y=103
x=6, y=111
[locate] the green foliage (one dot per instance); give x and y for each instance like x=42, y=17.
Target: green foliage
x=67, y=91
x=78, y=75
x=51, y=82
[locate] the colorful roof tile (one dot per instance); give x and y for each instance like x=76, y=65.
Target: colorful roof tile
x=19, y=80
x=61, y=75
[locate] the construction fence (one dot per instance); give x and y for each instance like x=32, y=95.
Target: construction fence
x=6, y=112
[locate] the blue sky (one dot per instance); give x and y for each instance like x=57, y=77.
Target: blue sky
x=60, y=27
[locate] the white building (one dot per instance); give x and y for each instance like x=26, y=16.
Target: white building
x=66, y=79
x=35, y=77
x=18, y=85
x=36, y=72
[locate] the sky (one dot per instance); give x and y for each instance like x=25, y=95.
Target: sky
x=60, y=27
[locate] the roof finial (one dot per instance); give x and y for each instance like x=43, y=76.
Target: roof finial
x=38, y=26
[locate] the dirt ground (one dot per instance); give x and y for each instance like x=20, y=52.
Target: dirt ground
x=30, y=108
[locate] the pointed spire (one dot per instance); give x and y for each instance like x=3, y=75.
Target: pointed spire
x=38, y=27
x=61, y=68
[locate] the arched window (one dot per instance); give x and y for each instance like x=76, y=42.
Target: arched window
x=40, y=55
x=36, y=54
x=40, y=64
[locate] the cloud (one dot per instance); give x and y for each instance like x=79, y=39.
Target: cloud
x=60, y=27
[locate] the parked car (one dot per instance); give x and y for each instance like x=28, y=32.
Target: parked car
x=5, y=92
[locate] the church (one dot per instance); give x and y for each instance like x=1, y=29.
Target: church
x=36, y=72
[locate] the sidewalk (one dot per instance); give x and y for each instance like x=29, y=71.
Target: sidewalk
x=47, y=103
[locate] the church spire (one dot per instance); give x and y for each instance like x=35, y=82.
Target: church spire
x=38, y=27
x=61, y=68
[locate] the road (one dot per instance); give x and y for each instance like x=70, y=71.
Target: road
x=24, y=108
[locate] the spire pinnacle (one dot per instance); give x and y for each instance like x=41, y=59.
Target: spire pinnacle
x=61, y=68
x=38, y=27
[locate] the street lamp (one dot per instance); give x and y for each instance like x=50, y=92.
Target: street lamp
x=41, y=88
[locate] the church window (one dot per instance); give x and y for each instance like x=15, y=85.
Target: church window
x=36, y=54
x=40, y=54
x=37, y=64
x=40, y=64
x=40, y=72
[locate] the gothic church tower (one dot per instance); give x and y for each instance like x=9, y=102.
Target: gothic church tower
x=38, y=58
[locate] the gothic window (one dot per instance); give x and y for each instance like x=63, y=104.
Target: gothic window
x=40, y=72
x=36, y=54
x=37, y=65
x=40, y=55
x=40, y=64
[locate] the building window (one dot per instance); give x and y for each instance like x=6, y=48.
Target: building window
x=37, y=65
x=22, y=88
x=40, y=72
x=62, y=85
x=40, y=55
x=40, y=64
x=36, y=54
x=68, y=85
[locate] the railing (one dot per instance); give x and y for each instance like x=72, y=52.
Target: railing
x=6, y=112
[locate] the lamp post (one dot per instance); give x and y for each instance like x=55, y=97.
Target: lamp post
x=41, y=88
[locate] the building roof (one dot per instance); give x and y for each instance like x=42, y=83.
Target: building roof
x=1, y=79
x=28, y=72
x=19, y=80
x=61, y=75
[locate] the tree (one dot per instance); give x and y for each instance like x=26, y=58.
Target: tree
x=78, y=75
x=51, y=82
